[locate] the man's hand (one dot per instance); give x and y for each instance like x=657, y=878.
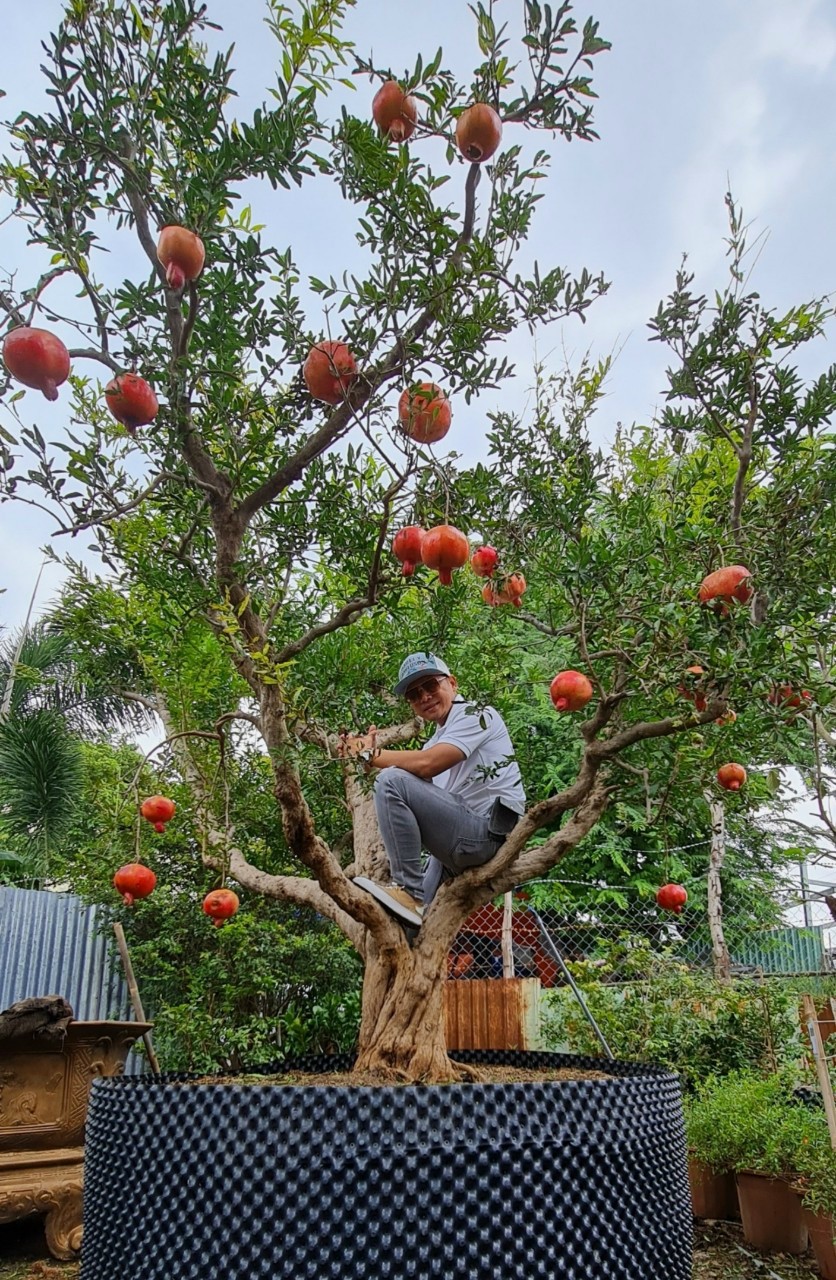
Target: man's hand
x=352, y=744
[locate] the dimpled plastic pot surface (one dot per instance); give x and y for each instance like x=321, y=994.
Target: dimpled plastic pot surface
x=572, y=1180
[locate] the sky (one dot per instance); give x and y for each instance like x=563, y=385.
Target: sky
x=694, y=98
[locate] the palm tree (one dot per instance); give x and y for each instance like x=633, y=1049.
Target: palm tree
x=46, y=708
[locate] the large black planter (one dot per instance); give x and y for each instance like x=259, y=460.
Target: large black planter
x=575, y=1180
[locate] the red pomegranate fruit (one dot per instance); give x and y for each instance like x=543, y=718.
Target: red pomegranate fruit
x=785, y=696
x=36, y=358
x=730, y=583
x=134, y=881
x=329, y=371
x=731, y=776
x=483, y=562
x=570, y=691
x=512, y=590
x=158, y=810
x=394, y=112
x=220, y=904
x=182, y=254
x=406, y=545
x=692, y=689
x=424, y=413
x=445, y=549
x=728, y=717
x=478, y=132
x=131, y=401
x=671, y=897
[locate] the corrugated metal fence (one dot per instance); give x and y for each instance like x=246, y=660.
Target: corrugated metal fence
x=54, y=944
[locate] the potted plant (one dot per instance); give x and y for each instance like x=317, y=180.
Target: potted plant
x=710, y=1172
x=816, y=1164
x=750, y=1125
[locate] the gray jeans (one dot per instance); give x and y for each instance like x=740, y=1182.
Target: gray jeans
x=412, y=813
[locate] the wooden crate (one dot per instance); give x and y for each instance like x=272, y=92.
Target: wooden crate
x=492, y=1013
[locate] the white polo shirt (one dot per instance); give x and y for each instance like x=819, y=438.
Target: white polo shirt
x=489, y=770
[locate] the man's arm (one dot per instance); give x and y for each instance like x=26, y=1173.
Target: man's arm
x=423, y=764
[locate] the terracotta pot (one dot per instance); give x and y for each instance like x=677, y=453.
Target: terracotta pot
x=771, y=1214
x=820, y=1227
x=713, y=1195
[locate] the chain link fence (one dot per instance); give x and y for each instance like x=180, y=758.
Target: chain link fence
x=590, y=923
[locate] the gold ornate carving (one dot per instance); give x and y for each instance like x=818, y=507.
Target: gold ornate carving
x=54, y=1189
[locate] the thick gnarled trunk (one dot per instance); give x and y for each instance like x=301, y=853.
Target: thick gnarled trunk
x=402, y=1028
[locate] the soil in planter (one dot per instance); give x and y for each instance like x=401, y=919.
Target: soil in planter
x=341, y=1079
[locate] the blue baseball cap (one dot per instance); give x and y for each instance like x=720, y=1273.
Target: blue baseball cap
x=417, y=665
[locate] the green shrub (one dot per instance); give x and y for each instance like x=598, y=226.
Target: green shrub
x=677, y=1017
x=749, y=1123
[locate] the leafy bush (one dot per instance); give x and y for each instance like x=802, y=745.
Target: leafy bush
x=675, y=1016
x=749, y=1123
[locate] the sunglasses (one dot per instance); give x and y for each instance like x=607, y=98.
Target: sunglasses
x=416, y=693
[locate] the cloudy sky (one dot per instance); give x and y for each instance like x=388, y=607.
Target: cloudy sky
x=693, y=97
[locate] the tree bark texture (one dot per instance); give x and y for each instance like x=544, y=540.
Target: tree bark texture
x=719, y=949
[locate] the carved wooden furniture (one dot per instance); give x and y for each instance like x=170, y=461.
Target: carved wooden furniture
x=43, y=1107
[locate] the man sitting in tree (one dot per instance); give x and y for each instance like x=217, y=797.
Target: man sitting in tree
x=457, y=797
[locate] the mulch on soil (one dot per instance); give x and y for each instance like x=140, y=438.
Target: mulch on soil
x=368, y=1079
x=721, y=1253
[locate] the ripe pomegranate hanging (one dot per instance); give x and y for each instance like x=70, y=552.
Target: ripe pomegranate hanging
x=329, y=371
x=158, y=810
x=220, y=904
x=731, y=776
x=424, y=413
x=37, y=358
x=731, y=583
x=570, y=691
x=483, y=562
x=445, y=549
x=394, y=112
x=131, y=401
x=134, y=881
x=478, y=132
x=692, y=689
x=406, y=545
x=182, y=254
x=671, y=897
x=786, y=697
x=512, y=590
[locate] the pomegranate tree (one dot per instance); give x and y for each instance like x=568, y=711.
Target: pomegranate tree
x=37, y=358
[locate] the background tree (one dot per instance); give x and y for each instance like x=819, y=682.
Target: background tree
x=251, y=507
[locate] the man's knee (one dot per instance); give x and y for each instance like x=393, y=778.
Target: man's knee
x=388, y=779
